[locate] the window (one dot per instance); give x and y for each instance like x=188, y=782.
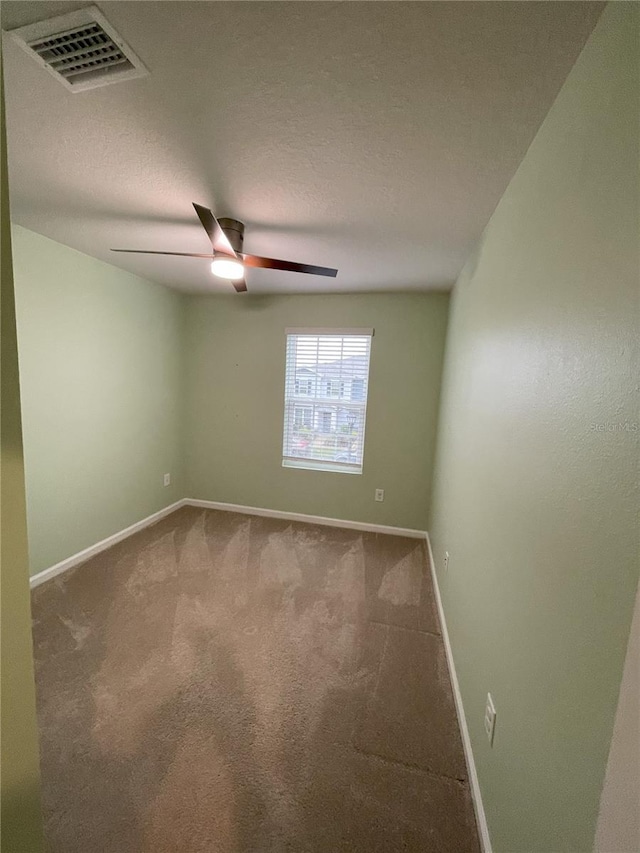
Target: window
x=357, y=389
x=303, y=417
x=325, y=421
x=329, y=368
x=334, y=388
x=303, y=387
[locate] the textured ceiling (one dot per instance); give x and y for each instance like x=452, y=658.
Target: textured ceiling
x=370, y=136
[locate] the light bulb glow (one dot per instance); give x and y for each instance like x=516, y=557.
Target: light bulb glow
x=229, y=268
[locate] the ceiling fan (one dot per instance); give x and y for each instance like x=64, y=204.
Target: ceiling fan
x=227, y=258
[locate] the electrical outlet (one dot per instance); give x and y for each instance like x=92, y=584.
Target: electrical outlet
x=167, y=479
x=490, y=718
x=446, y=560
x=379, y=494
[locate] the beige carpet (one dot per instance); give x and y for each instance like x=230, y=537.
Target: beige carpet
x=221, y=682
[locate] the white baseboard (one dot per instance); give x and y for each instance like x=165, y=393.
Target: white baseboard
x=92, y=550
x=309, y=519
x=476, y=795
x=82, y=556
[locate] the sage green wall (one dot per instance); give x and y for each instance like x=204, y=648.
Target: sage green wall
x=535, y=486
x=101, y=375
x=235, y=383
x=20, y=817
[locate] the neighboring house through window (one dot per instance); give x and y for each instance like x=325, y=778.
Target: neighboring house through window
x=326, y=382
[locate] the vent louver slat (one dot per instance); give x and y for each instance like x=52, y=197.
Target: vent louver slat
x=80, y=56
x=81, y=50
x=93, y=66
x=61, y=40
x=61, y=57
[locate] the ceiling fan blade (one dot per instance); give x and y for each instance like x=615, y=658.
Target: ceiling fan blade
x=289, y=266
x=219, y=240
x=178, y=254
x=240, y=286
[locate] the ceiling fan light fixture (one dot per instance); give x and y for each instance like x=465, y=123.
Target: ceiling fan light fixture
x=229, y=261
x=229, y=268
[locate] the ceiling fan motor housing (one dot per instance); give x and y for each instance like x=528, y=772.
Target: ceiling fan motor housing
x=234, y=231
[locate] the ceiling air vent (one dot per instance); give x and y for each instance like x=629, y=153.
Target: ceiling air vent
x=81, y=50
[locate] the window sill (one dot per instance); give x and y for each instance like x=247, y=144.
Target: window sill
x=315, y=465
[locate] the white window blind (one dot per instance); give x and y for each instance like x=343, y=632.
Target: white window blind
x=325, y=398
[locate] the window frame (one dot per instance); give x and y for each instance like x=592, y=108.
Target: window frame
x=322, y=403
